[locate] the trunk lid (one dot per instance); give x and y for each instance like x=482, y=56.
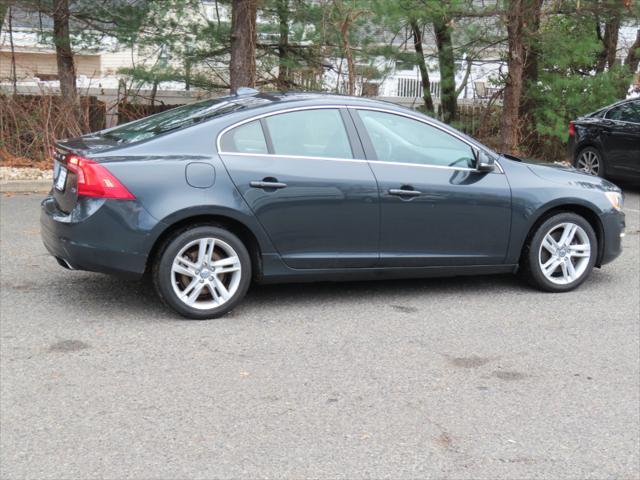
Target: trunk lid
x=65, y=181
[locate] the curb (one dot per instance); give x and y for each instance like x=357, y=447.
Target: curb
x=23, y=186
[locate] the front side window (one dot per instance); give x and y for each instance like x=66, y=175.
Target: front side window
x=309, y=133
x=247, y=138
x=627, y=112
x=404, y=140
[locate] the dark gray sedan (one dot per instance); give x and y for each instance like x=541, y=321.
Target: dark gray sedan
x=305, y=187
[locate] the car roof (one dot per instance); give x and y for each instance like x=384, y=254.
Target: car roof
x=609, y=107
x=257, y=99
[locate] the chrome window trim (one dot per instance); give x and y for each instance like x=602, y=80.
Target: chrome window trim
x=622, y=121
x=353, y=160
x=356, y=160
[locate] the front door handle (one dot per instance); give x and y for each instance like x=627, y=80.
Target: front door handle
x=404, y=192
x=268, y=184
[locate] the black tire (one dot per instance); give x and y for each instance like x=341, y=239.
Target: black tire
x=163, y=278
x=593, y=153
x=531, y=268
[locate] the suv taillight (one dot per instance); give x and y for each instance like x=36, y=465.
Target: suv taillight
x=96, y=181
x=572, y=129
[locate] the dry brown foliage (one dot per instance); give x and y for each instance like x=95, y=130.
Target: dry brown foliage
x=30, y=125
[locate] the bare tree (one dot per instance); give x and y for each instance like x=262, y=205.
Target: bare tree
x=242, y=69
x=345, y=14
x=64, y=54
x=284, y=71
x=14, y=74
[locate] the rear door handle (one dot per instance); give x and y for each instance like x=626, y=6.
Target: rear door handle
x=268, y=184
x=402, y=192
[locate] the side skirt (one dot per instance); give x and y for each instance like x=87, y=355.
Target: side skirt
x=275, y=271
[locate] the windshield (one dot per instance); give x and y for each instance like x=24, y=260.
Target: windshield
x=173, y=119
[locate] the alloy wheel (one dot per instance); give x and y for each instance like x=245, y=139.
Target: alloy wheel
x=206, y=273
x=564, y=253
x=589, y=162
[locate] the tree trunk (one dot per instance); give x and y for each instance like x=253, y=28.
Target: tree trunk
x=513, y=88
x=531, y=54
x=14, y=74
x=242, y=70
x=348, y=53
x=4, y=8
x=64, y=55
x=610, y=43
x=448, y=97
x=187, y=74
x=284, y=72
x=422, y=65
x=632, y=61
x=633, y=57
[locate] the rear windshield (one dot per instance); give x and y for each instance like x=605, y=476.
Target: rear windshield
x=178, y=118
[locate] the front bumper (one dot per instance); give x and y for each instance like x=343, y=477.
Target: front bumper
x=98, y=235
x=613, y=225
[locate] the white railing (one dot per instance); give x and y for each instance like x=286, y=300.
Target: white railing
x=412, y=87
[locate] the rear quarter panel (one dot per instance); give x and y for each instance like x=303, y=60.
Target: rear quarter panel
x=587, y=134
x=155, y=172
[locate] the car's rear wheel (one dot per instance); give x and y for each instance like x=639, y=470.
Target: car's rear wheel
x=561, y=253
x=202, y=272
x=590, y=161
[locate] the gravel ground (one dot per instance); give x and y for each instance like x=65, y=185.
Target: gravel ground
x=23, y=173
x=464, y=378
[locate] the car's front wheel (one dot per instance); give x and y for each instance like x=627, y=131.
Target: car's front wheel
x=561, y=253
x=202, y=272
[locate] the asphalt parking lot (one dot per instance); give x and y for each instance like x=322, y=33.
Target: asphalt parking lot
x=459, y=378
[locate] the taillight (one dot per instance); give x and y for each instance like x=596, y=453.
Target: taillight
x=572, y=129
x=96, y=181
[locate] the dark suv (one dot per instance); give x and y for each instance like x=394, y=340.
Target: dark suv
x=607, y=142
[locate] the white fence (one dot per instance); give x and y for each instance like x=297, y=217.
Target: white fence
x=412, y=87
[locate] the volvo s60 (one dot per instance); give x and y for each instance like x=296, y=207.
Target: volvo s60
x=208, y=197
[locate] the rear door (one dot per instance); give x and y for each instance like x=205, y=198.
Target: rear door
x=307, y=183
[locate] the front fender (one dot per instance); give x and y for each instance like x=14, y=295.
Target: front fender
x=534, y=195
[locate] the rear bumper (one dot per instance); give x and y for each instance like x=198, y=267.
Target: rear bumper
x=570, y=147
x=613, y=224
x=107, y=236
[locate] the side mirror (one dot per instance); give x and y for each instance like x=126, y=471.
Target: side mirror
x=484, y=162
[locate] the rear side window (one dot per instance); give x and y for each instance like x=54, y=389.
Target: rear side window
x=174, y=119
x=247, y=138
x=310, y=133
x=627, y=112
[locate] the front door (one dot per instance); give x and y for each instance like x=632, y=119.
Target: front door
x=435, y=208
x=298, y=173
